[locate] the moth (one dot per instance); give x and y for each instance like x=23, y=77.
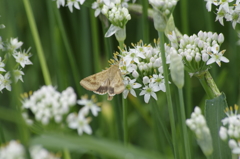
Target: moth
x=107, y=81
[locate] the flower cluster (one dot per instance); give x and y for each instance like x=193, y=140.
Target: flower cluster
x=97, y=5
x=70, y=4
x=198, y=125
x=228, y=9
x=198, y=51
x=12, y=49
x=15, y=150
x=142, y=69
x=47, y=103
x=231, y=129
x=79, y=121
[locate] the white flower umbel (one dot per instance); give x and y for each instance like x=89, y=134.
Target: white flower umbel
x=142, y=70
x=198, y=125
x=226, y=9
x=231, y=129
x=89, y=104
x=79, y=122
x=48, y=104
x=13, y=150
x=198, y=51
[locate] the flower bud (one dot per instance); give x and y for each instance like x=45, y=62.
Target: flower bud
x=177, y=70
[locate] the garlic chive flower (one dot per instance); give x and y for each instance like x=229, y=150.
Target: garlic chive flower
x=227, y=9
x=141, y=67
x=48, y=104
x=12, y=150
x=198, y=125
x=89, y=104
x=79, y=122
x=12, y=49
x=198, y=51
x=15, y=150
x=231, y=129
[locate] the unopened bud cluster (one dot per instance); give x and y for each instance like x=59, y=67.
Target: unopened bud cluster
x=199, y=51
x=164, y=6
x=231, y=129
x=198, y=125
x=142, y=68
x=118, y=15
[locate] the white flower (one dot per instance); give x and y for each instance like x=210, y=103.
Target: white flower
x=2, y=65
x=38, y=152
x=22, y=58
x=130, y=85
x=133, y=55
x=149, y=91
x=60, y=3
x=217, y=57
x=71, y=3
x=158, y=81
x=18, y=75
x=89, y=105
x=79, y=122
x=14, y=44
x=5, y=81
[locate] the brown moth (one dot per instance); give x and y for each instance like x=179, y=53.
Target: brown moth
x=108, y=81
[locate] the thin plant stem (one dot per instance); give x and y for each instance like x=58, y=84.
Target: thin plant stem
x=168, y=93
x=69, y=51
x=124, y=106
x=125, y=125
x=37, y=41
x=145, y=23
x=184, y=127
x=208, y=84
x=66, y=154
x=95, y=42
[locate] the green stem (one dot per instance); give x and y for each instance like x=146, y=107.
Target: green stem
x=95, y=42
x=184, y=127
x=71, y=58
x=208, y=84
x=66, y=154
x=168, y=93
x=125, y=125
x=145, y=23
x=37, y=41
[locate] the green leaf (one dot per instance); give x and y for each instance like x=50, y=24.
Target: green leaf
x=98, y=145
x=214, y=112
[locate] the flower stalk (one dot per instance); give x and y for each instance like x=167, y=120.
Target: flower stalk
x=208, y=84
x=168, y=93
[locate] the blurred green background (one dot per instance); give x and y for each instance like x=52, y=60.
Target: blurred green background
x=72, y=43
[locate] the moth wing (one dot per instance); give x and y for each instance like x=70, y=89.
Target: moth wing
x=93, y=82
x=116, y=85
x=103, y=88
